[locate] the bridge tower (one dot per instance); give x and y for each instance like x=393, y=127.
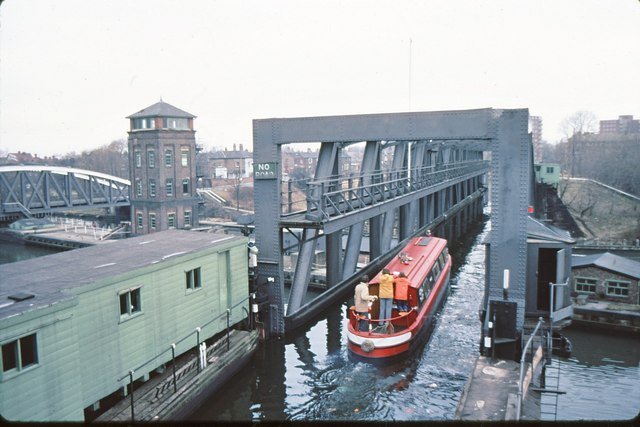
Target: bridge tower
x=162, y=161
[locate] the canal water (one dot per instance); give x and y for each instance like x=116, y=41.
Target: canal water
x=12, y=251
x=310, y=377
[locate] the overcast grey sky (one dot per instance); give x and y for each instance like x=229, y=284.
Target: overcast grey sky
x=72, y=70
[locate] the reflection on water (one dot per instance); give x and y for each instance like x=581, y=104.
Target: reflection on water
x=602, y=376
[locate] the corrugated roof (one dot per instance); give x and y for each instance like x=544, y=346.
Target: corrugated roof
x=161, y=109
x=610, y=262
x=50, y=277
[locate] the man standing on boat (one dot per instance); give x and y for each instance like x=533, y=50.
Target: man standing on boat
x=401, y=292
x=362, y=300
x=386, y=296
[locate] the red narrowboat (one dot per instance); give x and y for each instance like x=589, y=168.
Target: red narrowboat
x=426, y=262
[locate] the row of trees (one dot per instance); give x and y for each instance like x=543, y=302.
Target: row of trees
x=112, y=159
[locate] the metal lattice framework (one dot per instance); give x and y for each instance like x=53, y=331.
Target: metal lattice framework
x=437, y=161
x=41, y=189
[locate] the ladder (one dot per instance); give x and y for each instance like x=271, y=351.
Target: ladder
x=550, y=391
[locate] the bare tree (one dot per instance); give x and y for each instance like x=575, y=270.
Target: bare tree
x=111, y=159
x=572, y=127
x=581, y=121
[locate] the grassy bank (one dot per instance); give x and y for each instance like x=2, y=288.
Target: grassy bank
x=601, y=212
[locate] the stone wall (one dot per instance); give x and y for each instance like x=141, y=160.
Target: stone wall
x=602, y=276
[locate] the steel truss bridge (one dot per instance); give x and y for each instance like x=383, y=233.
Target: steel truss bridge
x=416, y=168
x=36, y=190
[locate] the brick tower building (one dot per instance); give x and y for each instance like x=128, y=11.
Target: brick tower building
x=162, y=161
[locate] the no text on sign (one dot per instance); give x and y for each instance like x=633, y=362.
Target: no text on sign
x=264, y=170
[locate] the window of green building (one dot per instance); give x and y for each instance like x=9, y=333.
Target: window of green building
x=151, y=158
x=171, y=220
x=20, y=353
x=187, y=218
x=138, y=158
x=193, y=280
x=185, y=186
x=168, y=158
x=139, y=218
x=152, y=221
x=130, y=302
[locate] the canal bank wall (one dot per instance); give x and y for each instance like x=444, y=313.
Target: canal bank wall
x=605, y=315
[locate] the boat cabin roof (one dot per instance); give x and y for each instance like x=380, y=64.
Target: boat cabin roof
x=423, y=252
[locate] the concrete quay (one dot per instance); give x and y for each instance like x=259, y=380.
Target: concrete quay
x=59, y=237
x=491, y=393
x=607, y=315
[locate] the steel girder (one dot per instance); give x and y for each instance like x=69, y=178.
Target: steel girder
x=454, y=142
x=43, y=189
x=326, y=168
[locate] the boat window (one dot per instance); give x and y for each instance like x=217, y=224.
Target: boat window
x=436, y=269
x=420, y=296
x=430, y=279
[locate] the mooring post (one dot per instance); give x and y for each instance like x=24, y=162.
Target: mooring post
x=228, y=314
x=131, y=394
x=198, y=346
x=173, y=365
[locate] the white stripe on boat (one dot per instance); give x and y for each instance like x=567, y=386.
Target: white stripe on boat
x=380, y=342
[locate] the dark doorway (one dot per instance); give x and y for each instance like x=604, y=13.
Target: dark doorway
x=547, y=264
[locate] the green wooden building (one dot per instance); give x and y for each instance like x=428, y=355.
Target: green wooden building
x=547, y=173
x=73, y=324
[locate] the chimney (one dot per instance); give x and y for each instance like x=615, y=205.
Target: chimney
x=234, y=146
x=241, y=147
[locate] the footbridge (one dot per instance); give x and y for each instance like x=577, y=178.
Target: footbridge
x=35, y=190
x=416, y=169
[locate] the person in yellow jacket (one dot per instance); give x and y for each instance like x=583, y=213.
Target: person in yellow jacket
x=386, y=296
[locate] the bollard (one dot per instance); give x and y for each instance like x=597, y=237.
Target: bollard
x=228, y=314
x=198, y=343
x=131, y=394
x=173, y=363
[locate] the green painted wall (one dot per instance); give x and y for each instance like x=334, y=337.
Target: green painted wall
x=50, y=390
x=83, y=356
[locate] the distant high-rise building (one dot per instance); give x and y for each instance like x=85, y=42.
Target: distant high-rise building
x=162, y=164
x=535, y=127
x=623, y=124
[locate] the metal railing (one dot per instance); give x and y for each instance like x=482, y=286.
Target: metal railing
x=189, y=367
x=529, y=346
x=338, y=195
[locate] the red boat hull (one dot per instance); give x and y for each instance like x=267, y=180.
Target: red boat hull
x=411, y=328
